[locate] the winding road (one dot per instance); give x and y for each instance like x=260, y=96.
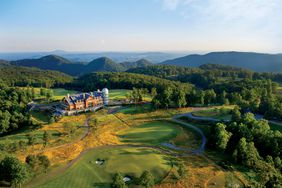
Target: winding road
x=201, y=149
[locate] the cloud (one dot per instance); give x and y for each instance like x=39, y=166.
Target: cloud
x=247, y=20
x=264, y=15
x=170, y=4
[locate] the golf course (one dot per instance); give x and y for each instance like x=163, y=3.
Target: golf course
x=131, y=162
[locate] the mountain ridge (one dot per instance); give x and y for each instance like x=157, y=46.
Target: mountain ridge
x=58, y=63
x=261, y=62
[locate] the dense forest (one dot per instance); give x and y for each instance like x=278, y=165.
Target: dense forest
x=251, y=143
x=124, y=80
x=23, y=76
x=13, y=109
x=220, y=84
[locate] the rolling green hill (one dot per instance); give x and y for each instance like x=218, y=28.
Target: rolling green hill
x=22, y=76
x=54, y=62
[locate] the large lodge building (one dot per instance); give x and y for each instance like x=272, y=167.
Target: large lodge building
x=85, y=101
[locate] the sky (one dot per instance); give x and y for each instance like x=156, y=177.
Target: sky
x=141, y=25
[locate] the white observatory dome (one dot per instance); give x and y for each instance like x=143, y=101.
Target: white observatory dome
x=105, y=91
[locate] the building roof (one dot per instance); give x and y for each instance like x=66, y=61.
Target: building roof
x=71, y=99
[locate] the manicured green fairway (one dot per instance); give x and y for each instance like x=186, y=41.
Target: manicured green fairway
x=150, y=133
x=118, y=93
x=136, y=109
x=60, y=93
x=128, y=161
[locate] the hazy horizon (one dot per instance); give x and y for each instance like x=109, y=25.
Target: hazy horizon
x=140, y=26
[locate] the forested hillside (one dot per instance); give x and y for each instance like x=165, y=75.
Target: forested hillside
x=23, y=76
x=53, y=62
x=125, y=81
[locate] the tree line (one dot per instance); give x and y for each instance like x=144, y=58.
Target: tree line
x=25, y=76
x=251, y=143
x=13, y=109
x=15, y=173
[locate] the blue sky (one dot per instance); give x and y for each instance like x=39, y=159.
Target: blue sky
x=141, y=25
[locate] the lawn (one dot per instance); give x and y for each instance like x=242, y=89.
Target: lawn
x=128, y=161
x=218, y=113
x=120, y=94
x=40, y=117
x=60, y=93
x=156, y=132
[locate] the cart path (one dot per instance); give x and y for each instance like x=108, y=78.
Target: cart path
x=201, y=149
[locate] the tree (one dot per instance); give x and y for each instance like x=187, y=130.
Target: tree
x=182, y=172
x=154, y=92
x=44, y=161
x=210, y=96
x=147, y=179
x=31, y=139
x=166, y=97
x=118, y=181
x=42, y=91
x=13, y=171
x=181, y=98
x=52, y=120
x=222, y=136
x=278, y=163
x=236, y=115
x=247, y=153
x=46, y=138
x=49, y=94
x=31, y=160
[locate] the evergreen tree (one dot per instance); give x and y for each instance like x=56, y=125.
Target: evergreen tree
x=147, y=179
x=118, y=181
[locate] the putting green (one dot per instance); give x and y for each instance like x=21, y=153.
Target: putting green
x=128, y=161
x=155, y=132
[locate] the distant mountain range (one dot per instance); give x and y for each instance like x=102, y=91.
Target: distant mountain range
x=254, y=61
x=54, y=62
x=248, y=60
x=84, y=57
